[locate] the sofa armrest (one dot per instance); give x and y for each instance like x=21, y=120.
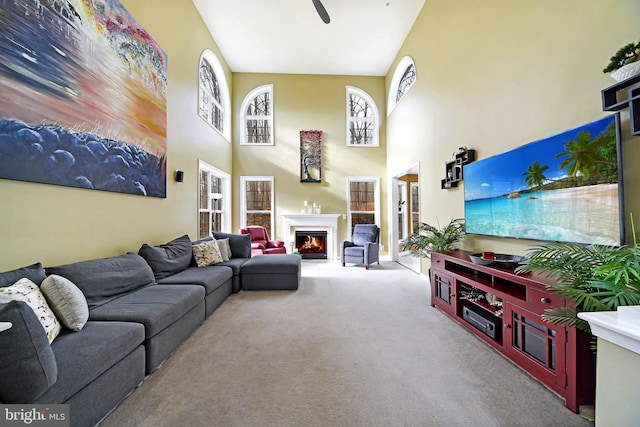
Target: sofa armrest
x=275, y=244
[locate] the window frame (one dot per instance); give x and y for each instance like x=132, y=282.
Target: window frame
x=225, y=196
x=243, y=201
x=375, y=119
x=413, y=185
x=225, y=98
x=376, y=211
x=394, y=86
x=268, y=88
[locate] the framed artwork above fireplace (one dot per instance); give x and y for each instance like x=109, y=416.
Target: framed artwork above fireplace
x=311, y=156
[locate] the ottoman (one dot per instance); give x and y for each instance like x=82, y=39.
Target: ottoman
x=277, y=272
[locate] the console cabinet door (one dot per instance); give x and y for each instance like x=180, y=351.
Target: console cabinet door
x=443, y=294
x=536, y=345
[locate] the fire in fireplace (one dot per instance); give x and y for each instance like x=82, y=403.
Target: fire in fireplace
x=312, y=244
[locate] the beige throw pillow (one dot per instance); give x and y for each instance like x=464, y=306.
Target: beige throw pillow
x=207, y=253
x=27, y=291
x=223, y=245
x=67, y=301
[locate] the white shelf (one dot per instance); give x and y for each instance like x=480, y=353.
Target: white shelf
x=620, y=327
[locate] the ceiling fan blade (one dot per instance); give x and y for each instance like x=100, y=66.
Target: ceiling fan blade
x=322, y=11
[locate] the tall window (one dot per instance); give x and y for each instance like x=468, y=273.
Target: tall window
x=403, y=79
x=213, y=94
x=257, y=110
x=257, y=202
x=363, y=201
x=214, y=200
x=362, y=119
x=415, y=206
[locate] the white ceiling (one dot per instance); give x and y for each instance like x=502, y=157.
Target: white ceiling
x=288, y=36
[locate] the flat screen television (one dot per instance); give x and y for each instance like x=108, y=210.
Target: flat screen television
x=567, y=188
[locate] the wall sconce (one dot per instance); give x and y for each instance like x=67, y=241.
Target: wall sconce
x=179, y=176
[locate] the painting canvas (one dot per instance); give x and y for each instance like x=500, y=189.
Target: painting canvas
x=567, y=187
x=82, y=97
x=311, y=156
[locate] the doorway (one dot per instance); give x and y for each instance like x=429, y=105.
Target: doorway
x=406, y=207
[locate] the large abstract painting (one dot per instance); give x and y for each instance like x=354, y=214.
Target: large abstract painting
x=310, y=156
x=82, y=97
x=566, y=187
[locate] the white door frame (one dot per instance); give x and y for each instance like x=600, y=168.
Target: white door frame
x=393, y=219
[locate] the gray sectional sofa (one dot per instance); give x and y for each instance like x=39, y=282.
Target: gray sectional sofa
x=142, y=306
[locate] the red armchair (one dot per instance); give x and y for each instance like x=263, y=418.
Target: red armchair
x=260, y=243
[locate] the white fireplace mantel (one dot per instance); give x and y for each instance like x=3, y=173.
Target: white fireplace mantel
x=311, y=222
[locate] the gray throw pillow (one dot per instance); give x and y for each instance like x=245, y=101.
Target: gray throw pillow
x=27, y=363
x=225, y=249
x=168, y=259
x=66, y=301
x=240, y=244
x=33, y=272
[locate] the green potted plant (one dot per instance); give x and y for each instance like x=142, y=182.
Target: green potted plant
x=624, y=63
x=593, y=277
x=428, y=238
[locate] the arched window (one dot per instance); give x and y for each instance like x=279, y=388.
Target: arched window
x=214, y=105
x=257, y=117
x=403, y=78
x=362, y=119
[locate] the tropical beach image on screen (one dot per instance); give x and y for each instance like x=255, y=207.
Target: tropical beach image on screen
x=562, y=188
x=82, y=97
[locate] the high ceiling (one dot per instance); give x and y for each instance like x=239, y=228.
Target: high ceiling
x=288, y=36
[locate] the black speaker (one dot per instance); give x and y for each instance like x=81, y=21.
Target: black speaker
x=179, y=176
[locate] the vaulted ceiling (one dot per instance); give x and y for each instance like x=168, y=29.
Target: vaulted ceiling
x=288, y=36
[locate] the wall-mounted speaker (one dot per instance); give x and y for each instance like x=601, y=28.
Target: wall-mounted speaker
x=179, y=176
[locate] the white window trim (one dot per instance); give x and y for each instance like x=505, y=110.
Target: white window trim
x=404, y=195
x=224, y=92
x=243, y=200
x=412, y=212
x=243, y=112
x=226, y=194
x=376, y=116
x=395, y=83
x=376, y=214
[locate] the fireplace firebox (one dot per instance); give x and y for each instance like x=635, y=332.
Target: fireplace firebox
x=312, y=244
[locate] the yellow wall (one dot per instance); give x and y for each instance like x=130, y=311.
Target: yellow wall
x=495, y=75
x=491, y=76
x=309, y=102
x=56, y=225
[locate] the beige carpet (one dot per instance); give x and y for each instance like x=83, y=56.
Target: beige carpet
x=349, y=348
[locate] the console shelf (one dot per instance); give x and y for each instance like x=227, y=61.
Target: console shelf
x=558, y=357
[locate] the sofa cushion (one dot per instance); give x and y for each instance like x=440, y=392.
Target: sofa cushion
x=66, y=300
x=240, y=244
x=27, y=291
x=101, y=280
x=167, y=259
x=83, y=356
x=27, y=363
x=33, y=272
x=235, y=264
x=211, y=277
x=207, y=253
x=156, y=307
